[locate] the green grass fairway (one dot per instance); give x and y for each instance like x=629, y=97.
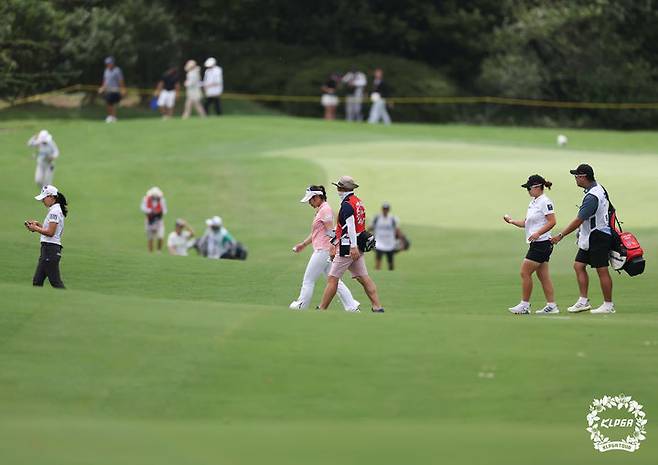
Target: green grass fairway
x=160, y=360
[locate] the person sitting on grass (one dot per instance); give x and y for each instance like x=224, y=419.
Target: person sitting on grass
x=180, y=239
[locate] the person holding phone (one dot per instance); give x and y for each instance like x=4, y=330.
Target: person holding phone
x=51, y=237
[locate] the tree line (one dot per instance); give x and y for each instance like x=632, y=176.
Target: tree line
x=576, y=50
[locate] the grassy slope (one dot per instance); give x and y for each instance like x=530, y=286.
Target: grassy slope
x=158, y=359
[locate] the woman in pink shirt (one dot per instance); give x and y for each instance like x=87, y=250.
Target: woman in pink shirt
x=322, y=230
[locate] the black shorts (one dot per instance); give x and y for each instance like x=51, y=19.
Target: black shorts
x=112, y=98
x=380, y=253
x=598, y=255
x=540, y=251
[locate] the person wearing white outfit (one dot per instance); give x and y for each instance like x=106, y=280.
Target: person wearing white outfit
x=355, y=81
x=181, y=239
x=213, y=85
x=319, y=263
x=539, y=220
x=47, y=153
x=193, y=89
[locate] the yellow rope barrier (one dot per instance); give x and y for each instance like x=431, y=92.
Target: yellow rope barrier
x=508, y=101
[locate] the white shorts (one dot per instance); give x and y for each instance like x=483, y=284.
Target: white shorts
x=167, y=98
x=329, y=100
x=155, y=230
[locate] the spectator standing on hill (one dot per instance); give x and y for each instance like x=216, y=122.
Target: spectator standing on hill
x=355, y=81
x=213, y=86
x=47, y=153
x=193, y=89
x=154, y=206
x=166, y=90
x=329, y=98
x=51, y=237
x=112, y=88
x=380, y=92
x=180, y=240
x=594, y=240
x=386, y=228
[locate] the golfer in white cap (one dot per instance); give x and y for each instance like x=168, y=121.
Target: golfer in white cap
x=347, y=255
x=213, y=85
x=319, y=263
x=46, y=154
x=51, y=236
x=218, y=241
x=154, y=206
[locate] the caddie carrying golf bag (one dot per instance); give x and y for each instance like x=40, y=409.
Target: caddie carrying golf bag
x=626, y=253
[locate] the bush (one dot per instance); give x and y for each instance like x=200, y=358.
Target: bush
x=405, y=78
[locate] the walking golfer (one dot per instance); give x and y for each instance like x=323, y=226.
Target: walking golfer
x=346, y=254
x=319, y=263
x=51, y=237
x=538, y=222
x=594, y=240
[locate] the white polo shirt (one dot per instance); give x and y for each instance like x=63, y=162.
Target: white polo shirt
x=54, y=215
x=180, y=243
x=535, y=219
x=384, y=228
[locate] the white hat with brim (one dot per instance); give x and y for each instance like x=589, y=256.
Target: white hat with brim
x=47, y=191
x=214, y=221
x=210, y=62
x=190, y=65
x=154, y=192
x=44, y=137
x=309, y=194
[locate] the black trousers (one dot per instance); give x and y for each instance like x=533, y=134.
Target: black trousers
x=216, y=102
x=389, y=256
x=48, y=266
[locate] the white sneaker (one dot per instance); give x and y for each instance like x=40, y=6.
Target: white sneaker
x=520, y=309
x=579, y=307
x=603, y=309
x=355, y=309
x=296, y=305
x=548, y=309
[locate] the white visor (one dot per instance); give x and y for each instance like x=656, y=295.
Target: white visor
x=309, y=194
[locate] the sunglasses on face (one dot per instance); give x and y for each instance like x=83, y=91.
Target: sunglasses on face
x=532, y=187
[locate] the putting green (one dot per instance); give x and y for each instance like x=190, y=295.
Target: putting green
x=470, y=186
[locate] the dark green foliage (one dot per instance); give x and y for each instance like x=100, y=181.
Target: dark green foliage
x=576, y=50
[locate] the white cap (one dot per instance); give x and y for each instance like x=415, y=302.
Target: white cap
x=214, y=221
x=46, y=191
x=309, y=194
x=43, y=137
x=210, y=62
x=154, y=192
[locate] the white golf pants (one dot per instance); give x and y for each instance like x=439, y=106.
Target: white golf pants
x=378, y=113
x=44, y=174
x=319, y=265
